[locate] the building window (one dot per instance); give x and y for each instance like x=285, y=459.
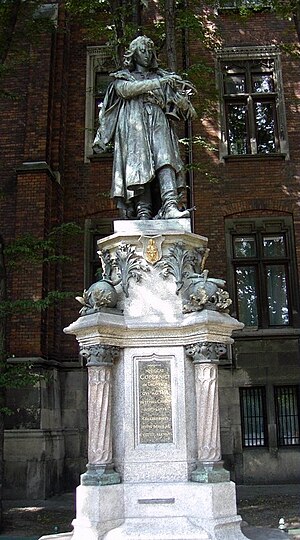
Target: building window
x=253, y=416
x=262, y=278
x=99, y=65
x=252, y=107
x=287, y=415
x=94, y=230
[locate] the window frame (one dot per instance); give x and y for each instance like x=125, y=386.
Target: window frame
x=247, y=55
x=98, y=60
x=280, y=433
x=252, y=391
x=260, y=228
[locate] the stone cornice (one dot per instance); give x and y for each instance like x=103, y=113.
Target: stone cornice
x=112, y=329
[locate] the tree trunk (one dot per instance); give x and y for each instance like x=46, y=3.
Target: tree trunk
x=170, y=17
x=116, y=10
x=2, y=369
x=296, y=17
x=136, y=15
x=125, y=14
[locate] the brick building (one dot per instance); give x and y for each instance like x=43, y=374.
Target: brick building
x=246, y=193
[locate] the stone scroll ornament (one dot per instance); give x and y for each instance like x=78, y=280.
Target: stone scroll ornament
x=115, y=270
x=198, y=291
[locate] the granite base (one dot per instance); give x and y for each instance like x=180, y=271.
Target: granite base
x=157, y=511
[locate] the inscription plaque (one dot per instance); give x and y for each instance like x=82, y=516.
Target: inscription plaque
x=155, y=402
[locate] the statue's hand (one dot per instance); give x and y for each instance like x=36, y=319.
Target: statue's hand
x=171, y=79
x=99, y=147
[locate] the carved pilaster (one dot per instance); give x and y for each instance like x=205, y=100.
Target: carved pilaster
x=205, y=359
x=208, y=432
x=100, y=469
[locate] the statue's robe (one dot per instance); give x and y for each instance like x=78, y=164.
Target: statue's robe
x=133, y=118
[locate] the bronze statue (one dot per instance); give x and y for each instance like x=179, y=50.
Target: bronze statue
x=137, y=116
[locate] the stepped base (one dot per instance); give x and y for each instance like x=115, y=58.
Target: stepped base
x=156, y=511
x=157, y=529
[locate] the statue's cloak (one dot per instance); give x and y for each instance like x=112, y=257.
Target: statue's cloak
x=132, y=117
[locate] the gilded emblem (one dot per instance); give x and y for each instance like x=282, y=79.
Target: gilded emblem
x=152, y=252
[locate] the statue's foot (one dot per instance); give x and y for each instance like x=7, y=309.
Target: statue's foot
x=172, y=212
x=144, y=216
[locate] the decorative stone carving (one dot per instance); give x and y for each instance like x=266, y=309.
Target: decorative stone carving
x=180, y=262
x=208, y=435
x=201, y=292
x=102, y=293
x=99, y=295
x=130, y=265
x=124, y=265
x=205, y=351
x=97, y=355
x=198, y=291
x=100, y=444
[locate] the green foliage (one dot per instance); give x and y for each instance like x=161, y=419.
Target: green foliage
x=200, y=141
x=29, y=249
x=286, y=9
x=93, y=16
x=21, y=306
x=202, y=170
x=18, y=376
x=115, y=21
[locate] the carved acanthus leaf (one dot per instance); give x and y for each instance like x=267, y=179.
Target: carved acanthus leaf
x=96, y=355
x=130, y=265
x=205, y=351
x=179, y=262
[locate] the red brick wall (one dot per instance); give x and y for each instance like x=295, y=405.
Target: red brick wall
x=48, y=123
x=243, y=185
x=31, y=200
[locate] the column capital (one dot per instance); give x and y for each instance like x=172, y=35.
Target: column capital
x=99, y=355
x=205, y=351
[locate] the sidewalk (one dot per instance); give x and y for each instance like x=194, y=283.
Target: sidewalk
x=25, y=520
x=264, y=506
x=260, y=506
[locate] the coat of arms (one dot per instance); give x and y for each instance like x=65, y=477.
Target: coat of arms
x=152, y=251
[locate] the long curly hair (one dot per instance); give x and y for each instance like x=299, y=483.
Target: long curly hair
x=134, y=45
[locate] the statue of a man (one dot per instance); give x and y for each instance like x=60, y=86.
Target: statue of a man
x=136, y=116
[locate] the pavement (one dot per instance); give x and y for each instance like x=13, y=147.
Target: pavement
x=261, y=508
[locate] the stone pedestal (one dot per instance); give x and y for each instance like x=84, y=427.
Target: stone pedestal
x=153, y=331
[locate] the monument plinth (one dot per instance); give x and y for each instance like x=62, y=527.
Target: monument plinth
x=153, y=330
